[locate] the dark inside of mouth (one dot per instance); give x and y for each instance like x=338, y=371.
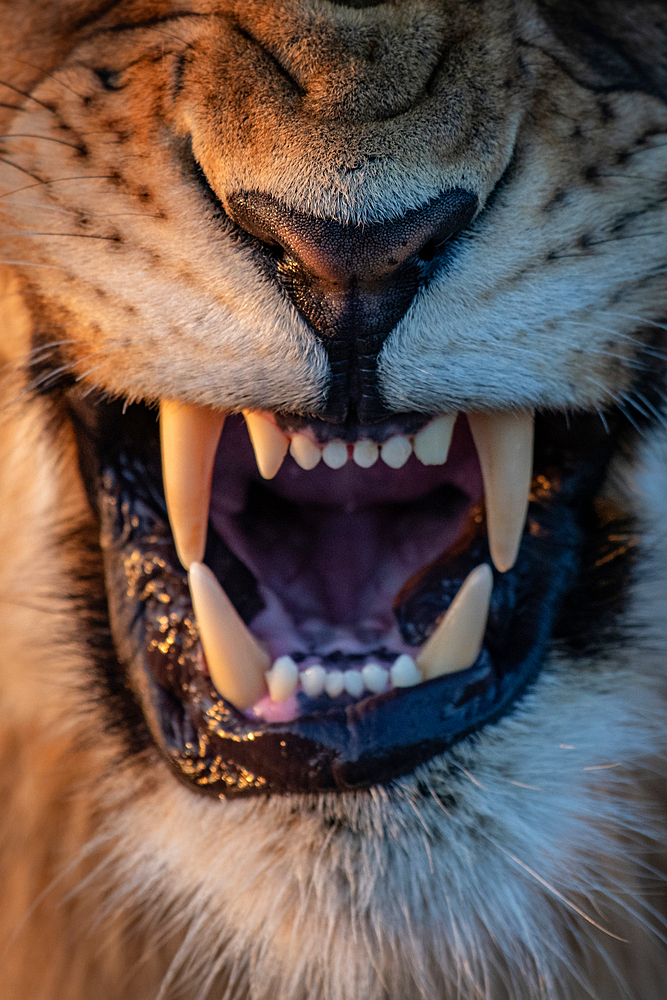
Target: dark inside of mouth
x=329, y=549
x=416, y=534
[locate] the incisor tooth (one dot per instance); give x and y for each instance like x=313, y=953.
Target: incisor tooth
x=236, y=661
x=432, y=443
x=396, y=451
x=312, y=680
x=354, y=685
x=374, y=677
x=365, y=453
x=269, y=443
x=304, y=451
x=404, y=672
x=335, y=454
x=282, y=678
x=457, y=640
x=189, y=438
x=504, y=443
x=334, y=683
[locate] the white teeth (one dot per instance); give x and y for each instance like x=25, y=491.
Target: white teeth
x=365, y=453
x=457, y=641
x=374, y=677
x=404, y=672
x=312, y=681
x=396, y=451
x=189, y=438
x=238, y=665
x=305, y=452
x=282, y=678
x=236, y=661
x=334, y=683
x=504, y=443
x=335, y=454
x=432, y=443
x=269, y=443
x=353, y=683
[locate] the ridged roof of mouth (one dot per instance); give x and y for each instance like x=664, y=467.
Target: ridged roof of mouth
x=361, y=601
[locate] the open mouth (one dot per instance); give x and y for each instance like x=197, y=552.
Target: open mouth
x=315, y=607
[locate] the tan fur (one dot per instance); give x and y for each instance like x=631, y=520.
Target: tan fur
x=547, y=883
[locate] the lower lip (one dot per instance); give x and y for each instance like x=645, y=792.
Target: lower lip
x=218, y=752
x=347, y=747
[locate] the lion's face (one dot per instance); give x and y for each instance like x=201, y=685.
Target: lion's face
x=395, y=277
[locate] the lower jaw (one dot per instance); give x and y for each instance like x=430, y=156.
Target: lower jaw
x=349, y=743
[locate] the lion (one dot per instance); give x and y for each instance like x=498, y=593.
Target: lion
x=333, y=479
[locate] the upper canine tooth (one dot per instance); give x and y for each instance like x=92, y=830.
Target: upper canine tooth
x=396, y=451
x=189, y=437
x=457, y=640
x=269, y=443
x=504, y=443
x=236, y=662
x=432, y=443
x=304, y=451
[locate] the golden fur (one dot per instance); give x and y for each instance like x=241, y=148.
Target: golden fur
x=548, y=880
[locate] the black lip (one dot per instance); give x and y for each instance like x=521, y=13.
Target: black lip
x=220, y=752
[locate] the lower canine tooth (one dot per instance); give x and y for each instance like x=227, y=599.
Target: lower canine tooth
x=404, y=672
x=335, y=454
x=457, y=641
x=396, y=451
x=365, y=453
x=236, y=661
x=269, y=443
x=432, y=443
x=189, y=437
x=282, y=678
x=304, y=451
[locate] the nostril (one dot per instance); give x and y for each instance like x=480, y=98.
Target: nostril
x=338, y=255
x=431, y=250
x=273, y=249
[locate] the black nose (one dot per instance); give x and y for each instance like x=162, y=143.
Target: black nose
x=352, y=283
